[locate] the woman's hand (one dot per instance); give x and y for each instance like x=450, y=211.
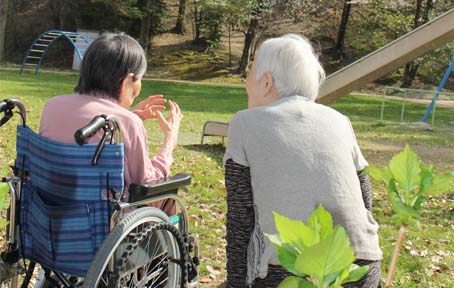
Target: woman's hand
x=170, y=125
x=147, y=108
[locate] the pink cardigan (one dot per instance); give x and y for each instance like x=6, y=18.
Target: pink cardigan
x=63, y=115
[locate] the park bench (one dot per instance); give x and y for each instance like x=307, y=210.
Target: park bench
x=215, y=128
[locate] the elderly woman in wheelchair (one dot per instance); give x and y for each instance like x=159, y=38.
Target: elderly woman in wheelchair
x=87, y=202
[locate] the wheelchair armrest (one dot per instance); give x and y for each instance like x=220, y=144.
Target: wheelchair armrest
x=158, y=188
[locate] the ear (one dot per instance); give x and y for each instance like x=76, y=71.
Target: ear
x=269, y=82
x=126, y=83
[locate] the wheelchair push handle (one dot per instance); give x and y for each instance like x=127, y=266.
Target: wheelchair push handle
x=7, y=106
x=83, y=134
x=111, y=130
x=3, y=106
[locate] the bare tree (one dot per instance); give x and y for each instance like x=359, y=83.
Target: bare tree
x=145, y=25
x=250, y=37
x=269, y=17
x=343, y=28
x=197, y=17
x=4, y=5
x=179, y=27
x=421, y=17
x=248, y=40
x=63, y=13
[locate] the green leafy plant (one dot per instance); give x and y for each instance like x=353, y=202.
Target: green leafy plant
x=409, y=182
x=318, y=255
x=3, y=191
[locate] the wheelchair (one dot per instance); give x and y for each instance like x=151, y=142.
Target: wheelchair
x=68, y=213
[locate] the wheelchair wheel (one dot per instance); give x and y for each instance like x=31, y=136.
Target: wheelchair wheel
x=143, y=250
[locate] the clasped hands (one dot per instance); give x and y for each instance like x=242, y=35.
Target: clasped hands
x=151, y=107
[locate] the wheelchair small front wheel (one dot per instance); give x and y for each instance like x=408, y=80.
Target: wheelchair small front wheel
x=143, y=250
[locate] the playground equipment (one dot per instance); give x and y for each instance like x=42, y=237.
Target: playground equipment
x=418, y=96
x=39, y=47
x=390, y=57
x=440, y=87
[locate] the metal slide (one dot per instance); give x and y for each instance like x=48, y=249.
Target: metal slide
x=388, y=58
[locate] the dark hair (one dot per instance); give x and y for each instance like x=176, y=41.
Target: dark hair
x=107, y=62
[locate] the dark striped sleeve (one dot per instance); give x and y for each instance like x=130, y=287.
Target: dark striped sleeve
x=240, y=222
x=365, y=190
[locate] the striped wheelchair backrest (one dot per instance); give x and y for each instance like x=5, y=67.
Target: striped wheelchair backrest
x=64, y=200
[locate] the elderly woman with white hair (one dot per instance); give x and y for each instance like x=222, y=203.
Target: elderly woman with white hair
x=288, y=154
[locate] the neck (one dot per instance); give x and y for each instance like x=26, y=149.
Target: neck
x=272, y=96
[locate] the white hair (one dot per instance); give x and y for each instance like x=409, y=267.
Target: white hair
x=291, y=61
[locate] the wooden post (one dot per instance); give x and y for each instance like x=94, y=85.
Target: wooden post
x=393, y=265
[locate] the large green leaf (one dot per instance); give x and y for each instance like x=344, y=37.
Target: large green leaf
x=441, y=184
x=356, y=273
x=321, y=221
x=426, y=178
x=332, y=254
x=341, y=276
x=329, y=280
x=417, y=202
x=275, y=239
x=295, y=282
x=400, y=219
x=405, y=168
x=287, y=255
x=400, y=208
x=295, y=232
x=381, y=175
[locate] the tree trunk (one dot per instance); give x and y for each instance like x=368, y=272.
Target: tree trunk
x=254, y=46
x=179, y=27
x=250, y=36
x=3, y=17
x=54, y=7
x=144, y=35
x=411, y=69
x=230, y=45
x=429, y=7
x=197, y=18
x=63, y=13
x=343, y=29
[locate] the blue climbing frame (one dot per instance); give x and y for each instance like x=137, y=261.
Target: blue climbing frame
x=35, y=54
x=440, y=87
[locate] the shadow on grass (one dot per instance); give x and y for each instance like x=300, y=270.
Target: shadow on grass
x=189, y=61
x=213, y=151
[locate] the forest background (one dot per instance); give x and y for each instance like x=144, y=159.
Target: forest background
x=215, y=40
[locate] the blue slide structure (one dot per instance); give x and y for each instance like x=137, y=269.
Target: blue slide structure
x=37, y=51
x=440, y=87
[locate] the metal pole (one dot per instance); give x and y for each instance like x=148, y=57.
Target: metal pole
x=433, y=116
x=383, y=104
x=440, y=87
x=403, y=107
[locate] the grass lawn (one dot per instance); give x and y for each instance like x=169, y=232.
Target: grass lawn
x=427, y=259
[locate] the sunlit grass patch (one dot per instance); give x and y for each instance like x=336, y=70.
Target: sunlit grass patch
x=205, y=197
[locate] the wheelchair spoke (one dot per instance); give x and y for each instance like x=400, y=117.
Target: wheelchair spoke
x=148, y=255
x=154, y=273
x=159, y=272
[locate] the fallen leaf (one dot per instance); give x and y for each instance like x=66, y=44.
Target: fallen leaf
x=205, y=279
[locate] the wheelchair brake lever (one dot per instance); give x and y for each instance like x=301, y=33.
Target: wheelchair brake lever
x=100, y=147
